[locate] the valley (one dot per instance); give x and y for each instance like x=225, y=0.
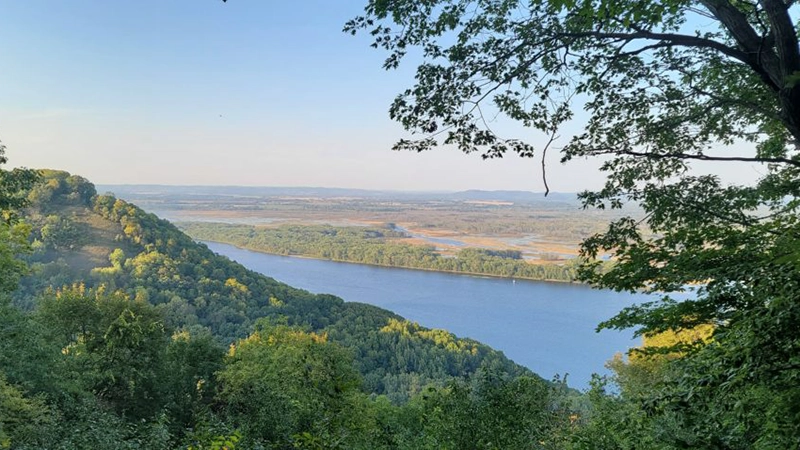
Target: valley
x=545, y=230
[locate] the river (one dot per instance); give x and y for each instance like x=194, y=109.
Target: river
x=545, y=326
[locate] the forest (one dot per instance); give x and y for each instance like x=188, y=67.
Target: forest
x=376, y=246
x=119, y=331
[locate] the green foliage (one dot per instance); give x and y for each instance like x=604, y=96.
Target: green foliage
x=55, y=395
x=219, y=442
x=188, y=378
x=491, y=412
x=400, y=358
x=614, y=422
x=86, y=423
x=13, y=244
x=28, y=359
x=20, y=417
x=13, y=236
x=59, y=232
x=662, y=84
x=59, y=188
x=120, y=342
x=14, y=185
x=656, y=90
x=281, y=383
x=378, y=246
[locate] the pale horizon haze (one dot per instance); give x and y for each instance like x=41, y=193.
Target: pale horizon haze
x=240, y=93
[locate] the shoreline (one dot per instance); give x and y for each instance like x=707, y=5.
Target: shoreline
x=386, y=266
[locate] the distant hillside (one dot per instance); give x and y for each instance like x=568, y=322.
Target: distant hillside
x=106, y=242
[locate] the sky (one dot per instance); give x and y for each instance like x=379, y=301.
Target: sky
x=248, y=92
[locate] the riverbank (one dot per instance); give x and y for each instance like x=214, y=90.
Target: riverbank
x=471, y=274
x=547, y=327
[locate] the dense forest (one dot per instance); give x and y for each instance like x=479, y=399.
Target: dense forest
x=127, y=333
x=119, y=331
x=378, y=246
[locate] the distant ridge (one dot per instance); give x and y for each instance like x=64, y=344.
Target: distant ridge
x=153, y=190
x=515, y=196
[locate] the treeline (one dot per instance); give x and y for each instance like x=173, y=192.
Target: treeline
x=375, y=246
x=568, y=224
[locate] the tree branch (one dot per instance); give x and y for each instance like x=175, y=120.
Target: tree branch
x=762, y=60
x=550, y=141
x=675, y=39
x=788, y=161
x=785, y=36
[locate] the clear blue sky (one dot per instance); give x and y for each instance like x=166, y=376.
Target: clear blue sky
x=249, y=92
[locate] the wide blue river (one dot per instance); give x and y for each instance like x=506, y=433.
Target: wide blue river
x=547, y=327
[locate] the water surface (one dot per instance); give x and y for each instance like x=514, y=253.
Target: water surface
x=545, y=326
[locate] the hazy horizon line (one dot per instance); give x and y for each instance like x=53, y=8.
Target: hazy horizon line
x=449, y=191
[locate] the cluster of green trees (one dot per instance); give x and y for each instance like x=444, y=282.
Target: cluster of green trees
x=59, y=188
x=92, y=369
x=376, y=246
x=132, y=357
x=555, y=222
x=150, y=260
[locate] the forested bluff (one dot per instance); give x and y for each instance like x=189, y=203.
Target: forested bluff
x=121, y=332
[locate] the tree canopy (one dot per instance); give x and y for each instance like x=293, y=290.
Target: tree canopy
x=661, y=81
x=128, y=351
x=662, y=84
x=13, y=187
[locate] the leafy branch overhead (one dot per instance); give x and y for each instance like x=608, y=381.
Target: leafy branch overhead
x=662, y=85
x=660, y=80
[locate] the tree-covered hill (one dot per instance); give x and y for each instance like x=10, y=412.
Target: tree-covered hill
x=114, y=328
x=104, y=242
x=123, y=333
